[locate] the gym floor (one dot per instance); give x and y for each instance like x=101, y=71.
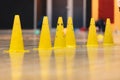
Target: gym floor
x=82, y=63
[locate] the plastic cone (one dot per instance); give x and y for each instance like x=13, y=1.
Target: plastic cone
x=92, y=36
x=60, y=37
x=70, y=36
x=16, y=44
x=108, y=37
x=45, y=39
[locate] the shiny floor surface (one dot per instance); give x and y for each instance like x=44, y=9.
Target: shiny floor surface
x=93, y=63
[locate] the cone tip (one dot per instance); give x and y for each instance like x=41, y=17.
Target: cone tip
x=60, y=20
x=17, y=16
x=17, y=21
x=45, y=17
x=108, y=21
x=45, y=20
x=69, y=17
x=92, y=21
x=69, y=20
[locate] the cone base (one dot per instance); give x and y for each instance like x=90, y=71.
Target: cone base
x=108, y=44
x=42, y=49
x=16, y=51
x=70, y=46
x=59, y=47
x=92, y=45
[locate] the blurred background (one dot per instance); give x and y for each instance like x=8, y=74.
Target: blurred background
x=80, y=63
x=32, y=12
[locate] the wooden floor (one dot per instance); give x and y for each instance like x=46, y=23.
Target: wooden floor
x=82, y=63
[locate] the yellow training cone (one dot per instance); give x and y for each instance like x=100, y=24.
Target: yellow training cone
x=16, y=44
x=92, y=36
x=108, y=38
x=60, y=37
x=45, y=39
x=70, y=36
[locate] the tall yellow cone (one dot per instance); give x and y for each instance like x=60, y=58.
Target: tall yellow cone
x=16, y=44
x=108, y=38
x=70, y=36
x=45, y=39
x=92, y=36
x=60, y=37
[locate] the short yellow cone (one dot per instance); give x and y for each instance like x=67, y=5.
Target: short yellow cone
x=45, y=39
x=16, y=44
x=92, y=36
x=60, y=37
x=70, y=36
x=108, y=37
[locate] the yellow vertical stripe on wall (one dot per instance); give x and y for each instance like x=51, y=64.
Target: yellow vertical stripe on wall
x=116, y=15
x=95, y=9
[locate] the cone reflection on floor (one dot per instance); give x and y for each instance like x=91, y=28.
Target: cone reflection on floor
x=44, y=56
x=45, y=39
x=16, y=44
x=108, y=57
x=92, y=36
x=16, y=65
x=60, y=63
x=92, y=58
x=70, y=57
x=70, y=36
x=60, y=37
x=108, y=37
